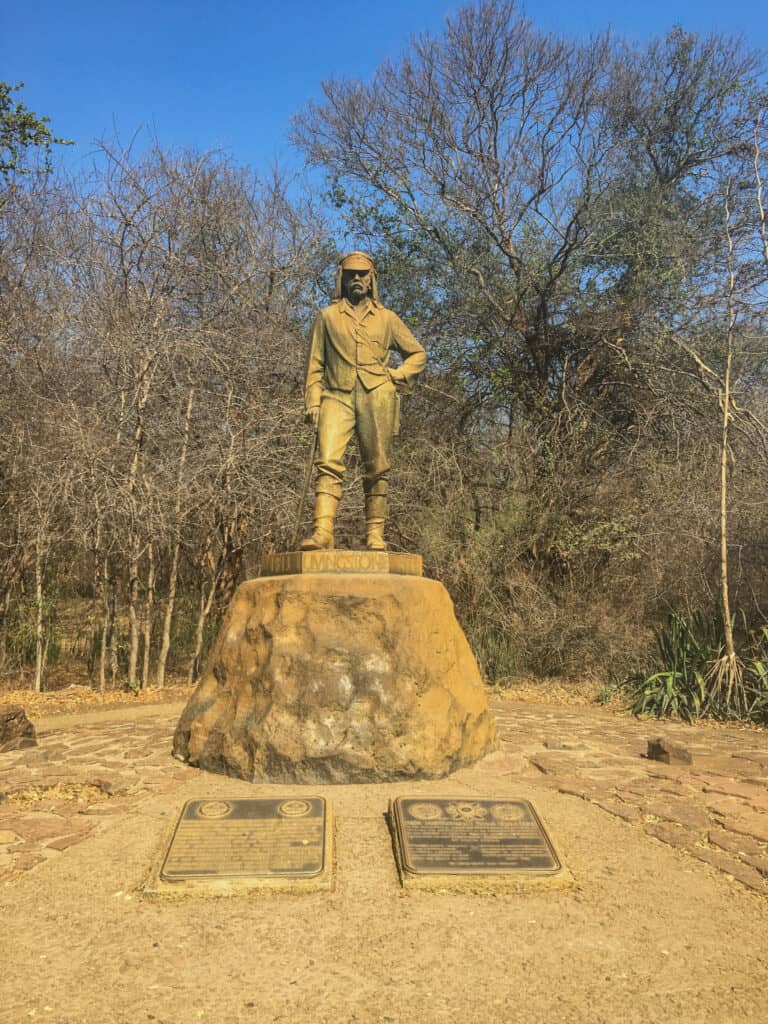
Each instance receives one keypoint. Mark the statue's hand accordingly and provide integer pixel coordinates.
(313, 416)
(401, 386)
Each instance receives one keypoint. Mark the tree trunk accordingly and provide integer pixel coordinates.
(4, 626)
(109, 595)
(106, 626)
(133, 618)
(114, 662)
(165, 644)
(148, 610)
(142, 396)
(726, 409)
(97, 604)
(206, 603)
(40, 645)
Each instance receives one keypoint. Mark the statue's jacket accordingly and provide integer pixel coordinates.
(344, 350)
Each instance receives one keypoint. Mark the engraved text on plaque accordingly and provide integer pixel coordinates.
(248, 838)
(461, 836)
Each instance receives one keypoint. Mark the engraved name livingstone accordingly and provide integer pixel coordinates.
(284, 562)
(247, 838)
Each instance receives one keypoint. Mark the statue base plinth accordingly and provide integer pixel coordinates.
(338, 676)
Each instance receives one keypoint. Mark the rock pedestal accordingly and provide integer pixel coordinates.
(338, 677)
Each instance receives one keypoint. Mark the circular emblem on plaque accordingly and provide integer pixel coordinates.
(425, 812)
(466, 810)
(214, 809)
(507, 812)
(294, 808)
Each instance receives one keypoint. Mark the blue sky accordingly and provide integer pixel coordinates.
(230, 74)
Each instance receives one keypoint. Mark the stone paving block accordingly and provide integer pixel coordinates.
(641, 789)
(602, 774)
(502, 762)
(725, 805)
(75, 819)
(719, 763)
(754, 824)
(104, 810)
(672, 835)
(679, 811)
(758, 763)
(551, 764)
(679, 788)
(732, 843)
(36, 828)
(26, 861)
(628, 812)
(658, 770)
(587, 793)
(755, 796)
(64, 842)
(741, 872)
(736, 787)
(758, 861)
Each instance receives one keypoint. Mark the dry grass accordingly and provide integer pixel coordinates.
(84, 793)
(83, 698)
(529, 690)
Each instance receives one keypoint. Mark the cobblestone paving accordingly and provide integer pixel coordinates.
(715, 809)
(58, 794)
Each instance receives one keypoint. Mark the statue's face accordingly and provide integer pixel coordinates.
(356, 284)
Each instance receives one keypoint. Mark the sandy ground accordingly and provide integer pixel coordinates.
(647, 933)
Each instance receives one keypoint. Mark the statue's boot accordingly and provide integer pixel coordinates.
(325, 516)
(375, 519)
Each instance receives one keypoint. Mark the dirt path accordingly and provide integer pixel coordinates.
(650, 931)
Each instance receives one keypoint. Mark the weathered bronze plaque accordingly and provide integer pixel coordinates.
(471, 837)
(248, 838)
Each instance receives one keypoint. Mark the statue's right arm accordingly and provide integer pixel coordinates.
(315, 370)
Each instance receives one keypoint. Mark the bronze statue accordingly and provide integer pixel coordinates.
(351, 388)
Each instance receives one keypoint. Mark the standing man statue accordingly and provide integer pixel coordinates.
(352, 389)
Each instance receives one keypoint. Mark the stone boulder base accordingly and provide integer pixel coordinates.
(16, 730)
(338, 678)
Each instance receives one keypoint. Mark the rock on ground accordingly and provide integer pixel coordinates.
(16, 730)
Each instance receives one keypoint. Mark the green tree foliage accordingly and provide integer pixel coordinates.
(21, 130)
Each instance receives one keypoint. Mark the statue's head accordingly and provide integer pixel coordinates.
(356, 278)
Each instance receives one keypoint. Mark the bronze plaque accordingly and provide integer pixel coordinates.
(471, 837)
(248, 839)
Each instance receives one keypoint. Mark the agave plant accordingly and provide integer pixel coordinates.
(693, 677)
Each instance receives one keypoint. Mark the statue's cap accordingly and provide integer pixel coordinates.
(357, 261)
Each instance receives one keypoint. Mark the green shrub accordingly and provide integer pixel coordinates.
(692, 676)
